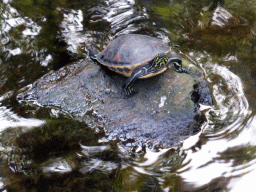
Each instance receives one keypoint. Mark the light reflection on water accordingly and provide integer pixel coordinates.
(58, 165)
(204, 162)
(231, 103)
(246, 138)
(207, 163)
(9, 119)
(71, 26)
(121, 15)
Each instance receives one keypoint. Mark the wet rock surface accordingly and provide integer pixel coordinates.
(163, 112)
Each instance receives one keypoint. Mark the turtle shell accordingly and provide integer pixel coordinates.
(127, 52)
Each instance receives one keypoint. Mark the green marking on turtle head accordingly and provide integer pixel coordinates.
(160, 60)
(176, 60)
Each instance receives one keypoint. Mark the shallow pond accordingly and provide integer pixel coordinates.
(43, 148)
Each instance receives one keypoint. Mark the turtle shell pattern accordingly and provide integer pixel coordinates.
(127, 52)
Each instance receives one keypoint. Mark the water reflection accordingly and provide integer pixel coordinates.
(58, 165)
(204, 155)
(246, 181)
(71, 25)
(9, 119)
(123, 17)
(205, 159)
(221, 17)
(215, 159)
(231, 103)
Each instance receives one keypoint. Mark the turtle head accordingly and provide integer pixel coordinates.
(177, 62)
(160, 60)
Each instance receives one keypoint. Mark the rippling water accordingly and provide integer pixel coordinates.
(220, 37)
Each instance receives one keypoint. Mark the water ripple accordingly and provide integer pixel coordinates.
(207, 152)
(8, 119)
(232, 106)
(224, 134)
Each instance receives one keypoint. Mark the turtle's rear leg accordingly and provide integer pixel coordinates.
(128, 92)
(128, 89)
(92, 51)
(128, 84)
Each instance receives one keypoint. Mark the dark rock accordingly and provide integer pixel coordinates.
(163, 112)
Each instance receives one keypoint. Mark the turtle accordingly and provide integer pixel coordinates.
(136, 56)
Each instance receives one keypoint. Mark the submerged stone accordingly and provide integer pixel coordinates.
(163, 112)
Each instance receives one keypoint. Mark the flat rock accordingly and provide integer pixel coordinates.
(163, 112)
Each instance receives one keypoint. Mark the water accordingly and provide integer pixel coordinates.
(38, 38)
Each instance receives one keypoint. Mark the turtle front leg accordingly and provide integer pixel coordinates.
(128, 85)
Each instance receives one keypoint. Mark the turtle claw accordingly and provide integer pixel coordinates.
(183, 70)
(128, 92)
